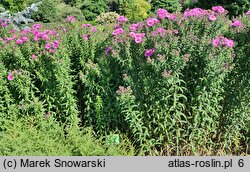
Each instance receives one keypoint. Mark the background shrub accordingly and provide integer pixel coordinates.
(47, 11)
(14, 5)
(113, 5)
(118, 6)
(64, 10)
(92, 8)
(109, 17)
(137, 10)
(170, 5)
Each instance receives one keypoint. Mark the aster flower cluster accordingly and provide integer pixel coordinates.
(222, 41)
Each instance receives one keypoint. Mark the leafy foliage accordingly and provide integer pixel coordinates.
(47, 11)
(14, 5)
(92, 8)
(71, 2)
(118, 6)
(170, 5)
(137, 10)
(24, 138)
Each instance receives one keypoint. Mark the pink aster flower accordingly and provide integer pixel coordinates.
(117, 26)
(195, 12)
(19, 41)
(36, 26)
(51, 32)
(162, 13)
(211, 17)
(154, 33)
(172, 17)
(140, 35)
(85, 37)
(36, 32)
(176, 31)
(10, 77)
(45, 37)
(24, 38)
(152, 21)
(161, 30)
(223, 40)
(52, 51)
(4, 24)
(122, 19)
(56, 42)
(248, 13)
(93, 29)
(118, 31)
(46, 32)
(138, 40)
(230, 43)
(218, 9)
(55, 46)
(216, 42)
(236, 23)
(71, 19)
(132, 34)
(25, 31)
(137, 37)
(149, 52)
(12, 31)
(33, 56)
(108, 49)
(47, 46)
(86, 25)
(133, 27)
(36, 38)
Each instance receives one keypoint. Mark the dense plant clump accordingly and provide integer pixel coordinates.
(172, 84)
(23, 137)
